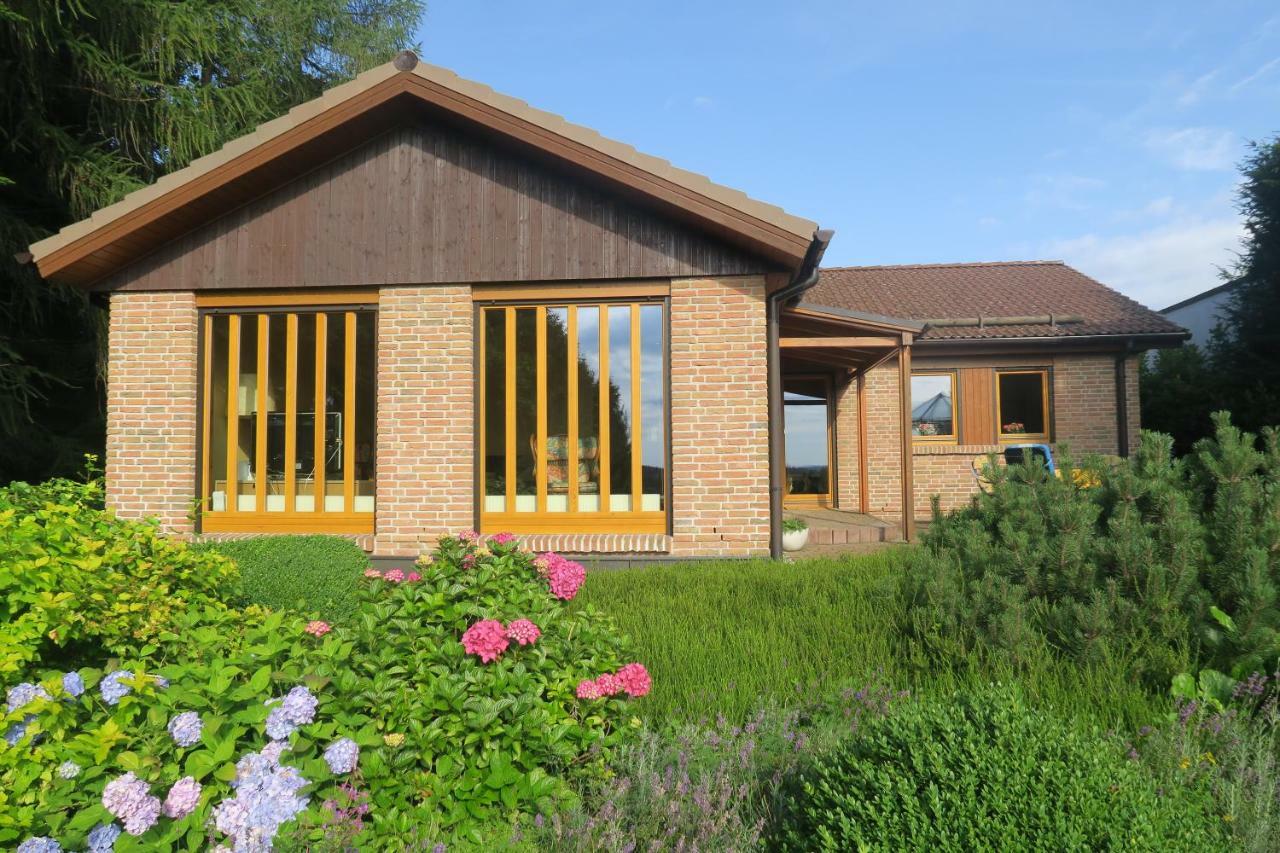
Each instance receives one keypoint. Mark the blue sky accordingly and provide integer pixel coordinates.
(1106, 135)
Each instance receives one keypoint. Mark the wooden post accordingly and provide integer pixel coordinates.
(908, 464)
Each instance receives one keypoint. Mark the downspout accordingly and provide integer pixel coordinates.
(805, 277)
(1122, 403)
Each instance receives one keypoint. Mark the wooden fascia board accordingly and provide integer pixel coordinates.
(835, 342)
(887, 329)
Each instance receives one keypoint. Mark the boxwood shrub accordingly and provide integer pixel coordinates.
(986, 772)
(309, 574)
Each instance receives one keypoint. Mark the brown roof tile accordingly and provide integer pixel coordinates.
(1001, 289)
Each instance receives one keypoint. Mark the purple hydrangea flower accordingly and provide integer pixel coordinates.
(72, 684)
(102, 839)
(279, 726)
(112, 688)
(21, 695)
(183, 798)
(342, 755)
(39, 844)
(265, 798)
(129, 799)
(185, 728)
(68, 770)
(300, 706)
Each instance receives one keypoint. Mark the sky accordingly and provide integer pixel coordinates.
(1108, 135)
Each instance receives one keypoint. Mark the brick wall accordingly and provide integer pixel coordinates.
(425, 417)
(151, 407)
(884, 441)
(846, 449)
(719, 417)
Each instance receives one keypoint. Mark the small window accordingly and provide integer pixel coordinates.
(933, 397)
(1022, 401)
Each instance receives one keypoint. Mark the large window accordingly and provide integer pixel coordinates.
(288, 419)
(573, 417)
(807, 438)
(933, 406)
(1022, 402)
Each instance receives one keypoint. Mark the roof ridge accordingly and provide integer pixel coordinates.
(1033, 263)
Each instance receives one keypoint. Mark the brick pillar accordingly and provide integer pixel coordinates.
(719, 417)
(425, 416)
(846, 450)
(151, 407)
(884, 441)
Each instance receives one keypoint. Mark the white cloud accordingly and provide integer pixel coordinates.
(1260, 73)
(1160, 266)
(1194, 93)
(1195, 148)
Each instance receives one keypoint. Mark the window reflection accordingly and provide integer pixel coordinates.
(807, 445)
(932, 405)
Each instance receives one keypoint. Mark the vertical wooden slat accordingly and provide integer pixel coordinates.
(206, 482)
(318, 476)
(572, 381)
(636, 443)
(604, 408)
(349, 418)
(483, 362)
(864, 501)
(291, 413)
(233, 414)
(540, 460)
(510, 499)
(260, 418)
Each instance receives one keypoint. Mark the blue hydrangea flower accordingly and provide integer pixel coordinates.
(112, 688)
(265, 798)
(68, 770)
(279, 726)
(342, 755)
(18, 730)
(21, 695)
(40, 844)
(161, 681)
(185, 728)
(300, 706)
(72, 684)
(102, 839)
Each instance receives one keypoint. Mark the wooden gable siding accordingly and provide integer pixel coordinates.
(424, 205)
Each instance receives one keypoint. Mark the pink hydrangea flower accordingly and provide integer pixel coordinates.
(486, 638)
(317, 628)
(469, 561)
(502, 538)
(372, 573)
(523, 632)
(589, 689)
(635, 679)
(609, 684)
(183, 798)
(564, 576)
(469, 536)
(413, 577)
(394, 576)
(543, 563)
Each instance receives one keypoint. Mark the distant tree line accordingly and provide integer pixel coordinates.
(1239, 369)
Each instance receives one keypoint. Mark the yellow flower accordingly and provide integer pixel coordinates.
(1208, 758)
(394, 739)
(1185, 763)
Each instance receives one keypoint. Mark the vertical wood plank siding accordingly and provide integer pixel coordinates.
(975, 400)
(423, 205)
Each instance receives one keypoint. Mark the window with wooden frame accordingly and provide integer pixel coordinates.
(573, 417)
(288, 394)
(807, 438)
(933, 406)
(1022, 405)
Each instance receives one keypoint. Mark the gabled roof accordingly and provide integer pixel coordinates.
(1206, 294)
(346, 115)
(989, 295)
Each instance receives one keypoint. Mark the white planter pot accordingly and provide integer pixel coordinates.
(794, 540)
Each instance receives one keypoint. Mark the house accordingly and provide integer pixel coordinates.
(414, 305)
(1199, 314)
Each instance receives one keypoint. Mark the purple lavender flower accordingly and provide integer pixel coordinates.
(129, 799)
(185, 728)
(102, 839)
(68, 770)
(300, 706)
(112, 688)
(279, 726)
(73, 684)
(39, 844)
(21, 695)
(183, 798)
(342, 755)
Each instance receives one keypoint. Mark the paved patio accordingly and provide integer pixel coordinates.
(839, 530)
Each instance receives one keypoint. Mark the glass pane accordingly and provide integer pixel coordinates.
(334, 406)
(653, 409)
(805, 391)
(305, 461)
(805, 438)
(247, 409)
(526, 409)
(1022, 403)
(276, 355)
(366, 411)
(557, 410)
(619, 408)
(589, 408)
(495, 409)
(217, 391)
(932, 408)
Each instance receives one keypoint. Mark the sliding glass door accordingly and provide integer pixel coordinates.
(807, 433)
(573, 417)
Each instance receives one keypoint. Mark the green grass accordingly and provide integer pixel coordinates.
(726, 637)
(309, 574)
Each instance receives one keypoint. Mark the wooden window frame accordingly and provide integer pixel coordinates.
(258, 307)
(572, 520)
(954, 436)
(827, 500)
(1046, 406)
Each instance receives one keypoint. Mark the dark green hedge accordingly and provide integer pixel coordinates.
(308, 574)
